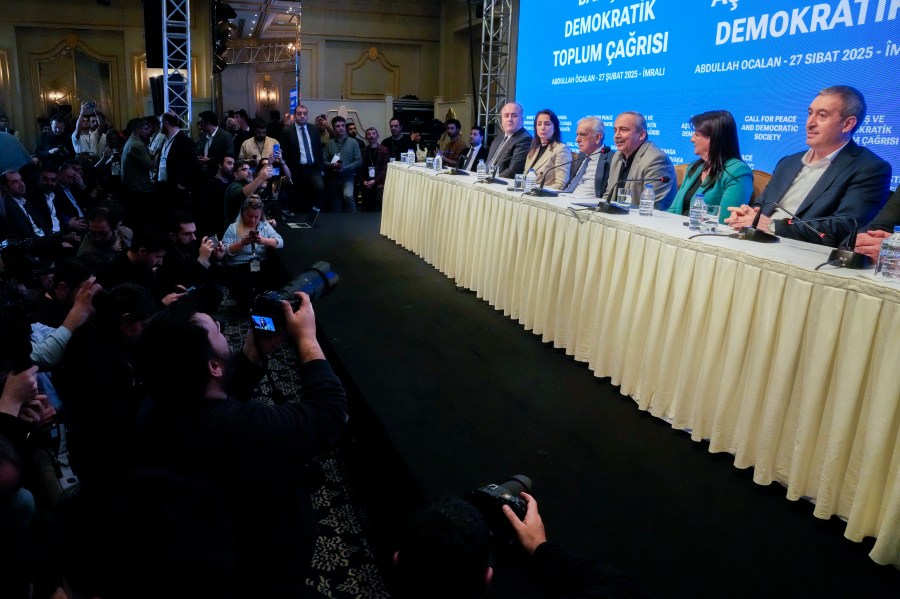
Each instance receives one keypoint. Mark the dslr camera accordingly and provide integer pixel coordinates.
(316, 282)
(491, 498)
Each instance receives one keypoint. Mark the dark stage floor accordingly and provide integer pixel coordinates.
(465, 396)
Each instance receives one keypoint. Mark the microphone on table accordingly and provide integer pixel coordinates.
(751, 233)
(609, 207)
(453, 170)
(844, 256)
(492, 176)
(540, 191)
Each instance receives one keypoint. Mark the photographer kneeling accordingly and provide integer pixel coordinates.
(251, 264)
(199, 420)
(447, 553)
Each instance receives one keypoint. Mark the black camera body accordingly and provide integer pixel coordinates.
(492, 497)
(490, 500)
(318, 281)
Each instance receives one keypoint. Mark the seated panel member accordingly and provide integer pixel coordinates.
(476, 152)
(549, 156)
(590, 169)
(720, 174)
(508, 151)
(454, 146)
(639, 158)
(835, 179)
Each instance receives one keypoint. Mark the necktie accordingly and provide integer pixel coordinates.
(74, 203)
(37, 230)
(578, 176)
(473, 152)
(498, 152)
(598, 177)
(305, 138)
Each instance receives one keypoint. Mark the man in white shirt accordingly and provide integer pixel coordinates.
(590, 169)
(823, 195)
(84, 139)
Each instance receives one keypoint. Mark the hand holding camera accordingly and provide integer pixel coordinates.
(529, 530)
(210, 247)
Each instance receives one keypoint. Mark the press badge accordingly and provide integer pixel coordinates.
(254, 264)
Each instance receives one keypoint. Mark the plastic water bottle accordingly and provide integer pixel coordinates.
(530, 180)
(438, 163)
(482, 170)
(696, 213)
(410, 156)
(648, 201)
(888, 265)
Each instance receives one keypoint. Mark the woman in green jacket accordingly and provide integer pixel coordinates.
(720, 174)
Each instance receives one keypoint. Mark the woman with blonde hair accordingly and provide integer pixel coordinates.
(251, 264)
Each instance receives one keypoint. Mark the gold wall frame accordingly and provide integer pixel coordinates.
(361, 78)
(72, 44)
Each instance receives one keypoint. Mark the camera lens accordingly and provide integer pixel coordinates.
(518, 483)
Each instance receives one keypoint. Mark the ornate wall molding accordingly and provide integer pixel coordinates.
(371, 77)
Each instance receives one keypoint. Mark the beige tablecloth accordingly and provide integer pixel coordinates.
(746, 345)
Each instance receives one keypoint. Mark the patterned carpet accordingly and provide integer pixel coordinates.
(343, 565)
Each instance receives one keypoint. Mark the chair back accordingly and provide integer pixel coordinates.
(760, 180)
(680, 169)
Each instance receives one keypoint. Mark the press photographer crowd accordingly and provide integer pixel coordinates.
(136, 458)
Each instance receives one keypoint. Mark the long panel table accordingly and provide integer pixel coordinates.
(744, 345)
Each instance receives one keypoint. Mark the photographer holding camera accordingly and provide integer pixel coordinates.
(199, 420)
(251, 263)
(447, 548)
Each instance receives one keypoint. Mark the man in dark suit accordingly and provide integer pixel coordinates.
(509, 151)
(836, 180)
(476, 152)
(71, 201)
(882, 226)
(301, 150)
(55, 146)
(43, 198)
(216, 142)
(587, 182)
(24, 221)
(178, 172)
(21, 217)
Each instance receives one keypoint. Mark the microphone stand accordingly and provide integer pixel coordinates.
(751, 233)
(844, 256)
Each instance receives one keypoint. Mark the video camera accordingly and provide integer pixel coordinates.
(490, 500)
(318, 281)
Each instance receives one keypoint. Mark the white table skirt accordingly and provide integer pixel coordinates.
(743, 344)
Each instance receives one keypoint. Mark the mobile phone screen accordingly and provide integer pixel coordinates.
(263, 323)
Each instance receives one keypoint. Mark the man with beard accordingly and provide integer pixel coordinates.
(191, 264)
(96, 384)
(199, 421)
(258, 146)
(209, 203)
(375, 163)
(106, 236)
(136, 166)
(55, 147)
